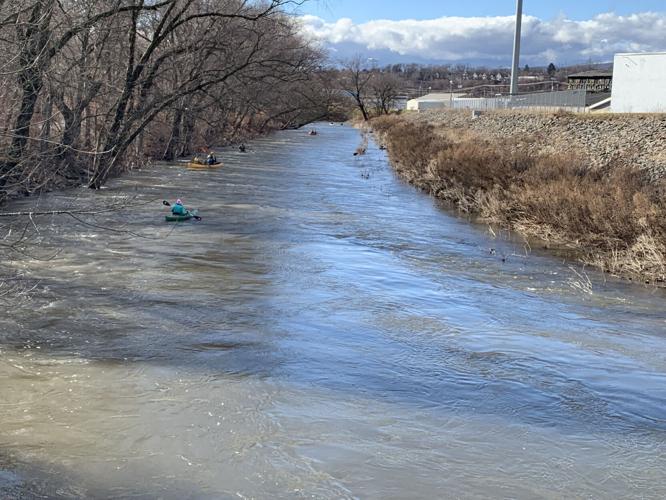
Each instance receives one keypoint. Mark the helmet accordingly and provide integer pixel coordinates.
(178, 202)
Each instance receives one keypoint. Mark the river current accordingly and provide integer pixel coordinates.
(326, 331)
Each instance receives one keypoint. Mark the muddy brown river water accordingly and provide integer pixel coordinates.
(325, 331)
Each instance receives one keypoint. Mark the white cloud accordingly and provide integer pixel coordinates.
(490, 39)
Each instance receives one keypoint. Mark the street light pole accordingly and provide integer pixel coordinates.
(516, 48)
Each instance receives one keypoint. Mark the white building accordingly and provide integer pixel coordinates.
(432, 101)
(639, 83)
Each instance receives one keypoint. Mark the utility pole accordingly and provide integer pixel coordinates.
(516, 48)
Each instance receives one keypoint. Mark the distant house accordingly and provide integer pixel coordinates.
(592, 81)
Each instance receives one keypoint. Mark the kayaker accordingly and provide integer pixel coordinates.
(241, 148)
(179, 209)
(211, 158)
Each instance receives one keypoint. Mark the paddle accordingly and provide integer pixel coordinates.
(167, 204)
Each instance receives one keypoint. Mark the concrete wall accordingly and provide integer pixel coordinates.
(639, 83)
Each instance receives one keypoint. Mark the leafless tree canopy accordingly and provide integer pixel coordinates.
(88, 86)
(371, 90)
(355, 82)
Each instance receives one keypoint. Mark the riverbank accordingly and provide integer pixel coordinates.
(593, 184)
(79, 172)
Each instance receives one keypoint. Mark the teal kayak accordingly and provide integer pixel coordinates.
(179, 218)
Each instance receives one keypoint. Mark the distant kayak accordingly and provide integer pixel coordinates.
(179, 218)
(203, 166)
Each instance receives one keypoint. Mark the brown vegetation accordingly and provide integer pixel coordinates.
(614, 217)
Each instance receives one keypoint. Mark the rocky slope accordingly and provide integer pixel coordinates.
(603, 140)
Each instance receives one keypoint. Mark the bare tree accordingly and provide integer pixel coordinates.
(355, 82)
(99, 81)
(385, 88)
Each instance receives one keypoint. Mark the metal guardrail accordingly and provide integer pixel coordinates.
(573, 100)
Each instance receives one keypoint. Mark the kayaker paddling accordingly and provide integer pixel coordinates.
(178, 208)
(179, 212)
(211, 159)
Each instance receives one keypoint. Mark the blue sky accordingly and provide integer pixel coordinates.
(481, 31)
(365, 10)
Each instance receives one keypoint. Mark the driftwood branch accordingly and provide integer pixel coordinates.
(55, 212)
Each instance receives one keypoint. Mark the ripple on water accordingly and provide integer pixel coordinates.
(320, 333)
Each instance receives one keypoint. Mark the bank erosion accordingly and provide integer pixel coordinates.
(594, 184)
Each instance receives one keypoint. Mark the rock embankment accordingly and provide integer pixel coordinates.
(601, 140)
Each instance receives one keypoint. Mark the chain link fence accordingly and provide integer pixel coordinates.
(572, 100)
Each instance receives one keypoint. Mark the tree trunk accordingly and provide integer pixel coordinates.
(188, 134)
(45, 133)
(174, 137)
(30, 76)
(32, 85)
(361, 106)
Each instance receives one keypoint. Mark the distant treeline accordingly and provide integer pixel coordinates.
(91, 86)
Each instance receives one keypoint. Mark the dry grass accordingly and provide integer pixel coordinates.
(614, 217)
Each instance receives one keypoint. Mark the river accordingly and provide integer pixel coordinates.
(326, 331)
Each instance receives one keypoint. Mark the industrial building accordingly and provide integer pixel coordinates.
(432, 101)
(639, 83)
(591, 81)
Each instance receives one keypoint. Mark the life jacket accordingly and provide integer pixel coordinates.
(178, 210)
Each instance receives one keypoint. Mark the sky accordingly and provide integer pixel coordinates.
(481, 31)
